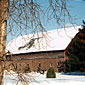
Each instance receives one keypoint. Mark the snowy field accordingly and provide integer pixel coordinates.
(40, 79)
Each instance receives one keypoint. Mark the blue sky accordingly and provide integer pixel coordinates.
(76, 9)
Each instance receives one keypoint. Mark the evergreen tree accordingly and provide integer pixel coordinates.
(51, 73)
(76, 53)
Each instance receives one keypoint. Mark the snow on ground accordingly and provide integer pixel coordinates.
(40, 79)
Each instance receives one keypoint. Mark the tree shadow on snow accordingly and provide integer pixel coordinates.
(74, 73)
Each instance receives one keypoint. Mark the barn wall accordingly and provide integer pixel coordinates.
(33, 59)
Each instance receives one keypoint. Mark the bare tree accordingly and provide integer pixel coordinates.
(4, 5)
(25, 15)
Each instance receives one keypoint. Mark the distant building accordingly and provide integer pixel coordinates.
(40, 49)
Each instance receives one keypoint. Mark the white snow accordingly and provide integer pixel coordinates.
(40, 79)
(51, 40)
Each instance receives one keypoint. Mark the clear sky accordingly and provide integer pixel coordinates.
(77, 10)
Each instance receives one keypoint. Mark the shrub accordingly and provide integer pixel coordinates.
(51, 73)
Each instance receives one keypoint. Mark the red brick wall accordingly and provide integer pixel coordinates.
(33, 60)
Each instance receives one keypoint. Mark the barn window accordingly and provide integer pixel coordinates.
(39, 64)
(8, 57)
(39, 67)
(60, 56)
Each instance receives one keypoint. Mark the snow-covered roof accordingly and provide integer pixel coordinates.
(47, 41)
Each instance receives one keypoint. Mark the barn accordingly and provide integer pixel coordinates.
(36, 52)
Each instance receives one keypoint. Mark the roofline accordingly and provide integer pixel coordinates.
(39, 52)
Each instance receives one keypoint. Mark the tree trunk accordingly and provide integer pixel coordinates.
(1, 73)
(3, 25)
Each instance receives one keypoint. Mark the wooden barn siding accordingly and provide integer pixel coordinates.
(33, 60)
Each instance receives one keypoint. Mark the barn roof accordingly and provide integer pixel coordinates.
(46, 41)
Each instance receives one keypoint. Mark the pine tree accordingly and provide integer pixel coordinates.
(76, 53)
(51, 72)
